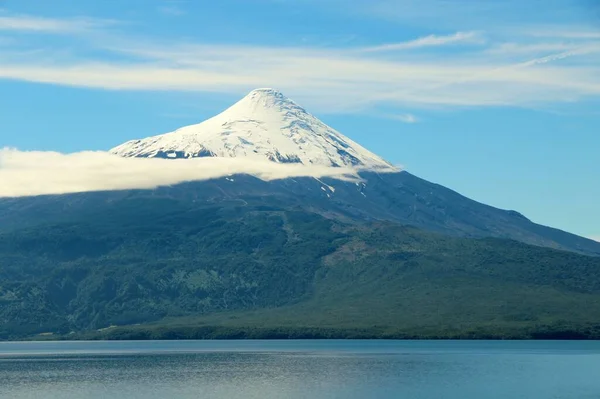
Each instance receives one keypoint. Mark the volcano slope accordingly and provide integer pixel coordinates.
(250, 267)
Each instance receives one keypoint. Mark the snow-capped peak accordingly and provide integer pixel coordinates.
(264, 124)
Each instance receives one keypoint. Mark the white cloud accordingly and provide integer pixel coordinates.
(521, 70)
(28, 23)
(406, 118)
(333, 80)
(39, 173)
(561, 56)
(430, 41)
(511, 48)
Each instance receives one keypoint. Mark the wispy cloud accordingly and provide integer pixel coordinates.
(333, 78)
(584, 50)
(39, 173)
(519, 70)
(28, 23)
(512, 48)
(406, 118)
(430, 41)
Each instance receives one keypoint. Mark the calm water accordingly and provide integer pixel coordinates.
(300, 369)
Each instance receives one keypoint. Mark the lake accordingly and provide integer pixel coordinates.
(301, 369)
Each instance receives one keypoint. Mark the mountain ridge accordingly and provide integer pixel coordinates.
(396, 197)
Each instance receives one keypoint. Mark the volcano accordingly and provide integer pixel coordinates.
(385, 255)
(265, 124)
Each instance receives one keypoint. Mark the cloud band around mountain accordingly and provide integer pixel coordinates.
(28, 173)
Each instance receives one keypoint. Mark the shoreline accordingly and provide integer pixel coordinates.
(220, 333)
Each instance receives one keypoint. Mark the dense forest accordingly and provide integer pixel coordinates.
(166, 269)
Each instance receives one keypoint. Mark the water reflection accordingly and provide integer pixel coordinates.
(298, 370)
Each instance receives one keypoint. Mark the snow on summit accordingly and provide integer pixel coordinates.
(263, 125)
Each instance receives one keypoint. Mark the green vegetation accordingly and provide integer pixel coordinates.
(163, 269)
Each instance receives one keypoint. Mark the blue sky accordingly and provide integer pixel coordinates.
(499, 100)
